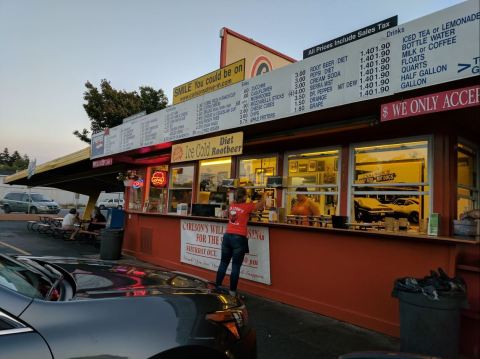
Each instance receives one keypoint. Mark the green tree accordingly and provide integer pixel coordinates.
(14, 162)
(107, 107)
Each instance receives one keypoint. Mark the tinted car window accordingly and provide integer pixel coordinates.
(14, 196)
(36, 197)
(20, 279)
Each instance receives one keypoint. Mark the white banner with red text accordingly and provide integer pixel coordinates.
(201, 246)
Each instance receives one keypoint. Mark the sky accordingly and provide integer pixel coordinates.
(50, 48)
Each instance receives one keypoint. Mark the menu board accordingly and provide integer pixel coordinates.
(435, 49)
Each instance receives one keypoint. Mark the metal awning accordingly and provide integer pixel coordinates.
(74, 173)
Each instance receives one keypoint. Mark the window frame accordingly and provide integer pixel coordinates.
(475, 147)
(171, 168)
(338, 184)
(430, 172)
(260, 156)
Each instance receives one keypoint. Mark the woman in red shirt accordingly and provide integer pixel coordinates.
(235, 241)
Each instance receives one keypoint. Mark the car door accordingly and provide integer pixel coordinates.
(15, 199)
(23, 204)
(19, 341)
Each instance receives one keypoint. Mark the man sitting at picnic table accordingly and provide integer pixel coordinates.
(70, 220)
(98, 221)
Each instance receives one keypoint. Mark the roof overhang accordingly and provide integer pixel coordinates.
(74, 173)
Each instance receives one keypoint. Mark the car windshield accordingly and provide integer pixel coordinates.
(37, 197)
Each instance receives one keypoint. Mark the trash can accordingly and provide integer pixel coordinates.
(111, 243)
(430, 314)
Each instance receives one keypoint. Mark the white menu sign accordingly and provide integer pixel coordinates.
(435, 49)
(201, 246)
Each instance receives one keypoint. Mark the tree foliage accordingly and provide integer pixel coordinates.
(107, 107)
(13, 162)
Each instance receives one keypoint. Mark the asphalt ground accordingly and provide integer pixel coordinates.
(283, 332)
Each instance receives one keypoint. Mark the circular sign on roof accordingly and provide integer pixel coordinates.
(159, 179)
(260, 66)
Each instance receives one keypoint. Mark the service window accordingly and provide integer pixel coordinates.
(180, 188)
(253, 173)
(312, 182)
(391, 180)
(156, 197)
(468, 187)
(136, 189)
(211, 173)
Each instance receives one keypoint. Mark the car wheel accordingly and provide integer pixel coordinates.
(102, 207)
(33, 210)
(413, 217)
(120, 207)
(6, 208)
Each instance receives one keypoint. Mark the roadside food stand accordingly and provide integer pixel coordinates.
(384, 135)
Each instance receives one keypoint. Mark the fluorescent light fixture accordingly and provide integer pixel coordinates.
(216, 162)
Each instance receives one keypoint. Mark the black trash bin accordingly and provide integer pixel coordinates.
(111, 243)
(430, 318)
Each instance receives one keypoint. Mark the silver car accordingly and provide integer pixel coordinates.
(28, 203)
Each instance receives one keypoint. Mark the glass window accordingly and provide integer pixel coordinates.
(156, 201)
(136, 189)
(391, 180)
(211, 173)
(312, 183)
(253, 174)
(180, 187)
(467, 179)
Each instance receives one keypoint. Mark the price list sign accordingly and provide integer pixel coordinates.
(438, 48)
(374, 70)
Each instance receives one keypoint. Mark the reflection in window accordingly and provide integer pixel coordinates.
(391, 180)
(313, 180)
(180, 187)
(467, 179)
(136, 191)
(211, 173)
(157, 189)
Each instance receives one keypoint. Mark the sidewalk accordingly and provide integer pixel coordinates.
(283, 332)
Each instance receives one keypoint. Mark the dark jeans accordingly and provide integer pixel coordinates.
(234, 248)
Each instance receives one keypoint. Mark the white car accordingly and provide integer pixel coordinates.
(111, 203)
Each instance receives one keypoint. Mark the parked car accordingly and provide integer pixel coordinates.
(20, 201)
(371, 209)
(111, 203)
(406, 207)
(52, 307)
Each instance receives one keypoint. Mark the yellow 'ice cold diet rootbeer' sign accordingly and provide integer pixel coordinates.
(213, 81)
(218, 146)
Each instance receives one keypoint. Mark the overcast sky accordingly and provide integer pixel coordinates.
(50, 48)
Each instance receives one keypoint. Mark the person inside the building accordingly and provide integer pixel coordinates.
(235, 241)
(98, 221)
(305, 206)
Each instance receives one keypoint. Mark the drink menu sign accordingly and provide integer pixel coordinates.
(434, 49)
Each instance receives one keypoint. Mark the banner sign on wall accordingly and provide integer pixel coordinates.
(436, 102)
(435, 49)
(218, 146)
(201, 244)
(213, 81)
(353, 36)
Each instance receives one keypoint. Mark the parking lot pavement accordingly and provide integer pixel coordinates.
(283, 332)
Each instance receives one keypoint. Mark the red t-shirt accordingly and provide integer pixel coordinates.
(238, 214)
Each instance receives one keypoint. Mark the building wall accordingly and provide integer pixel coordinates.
(342, 274)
